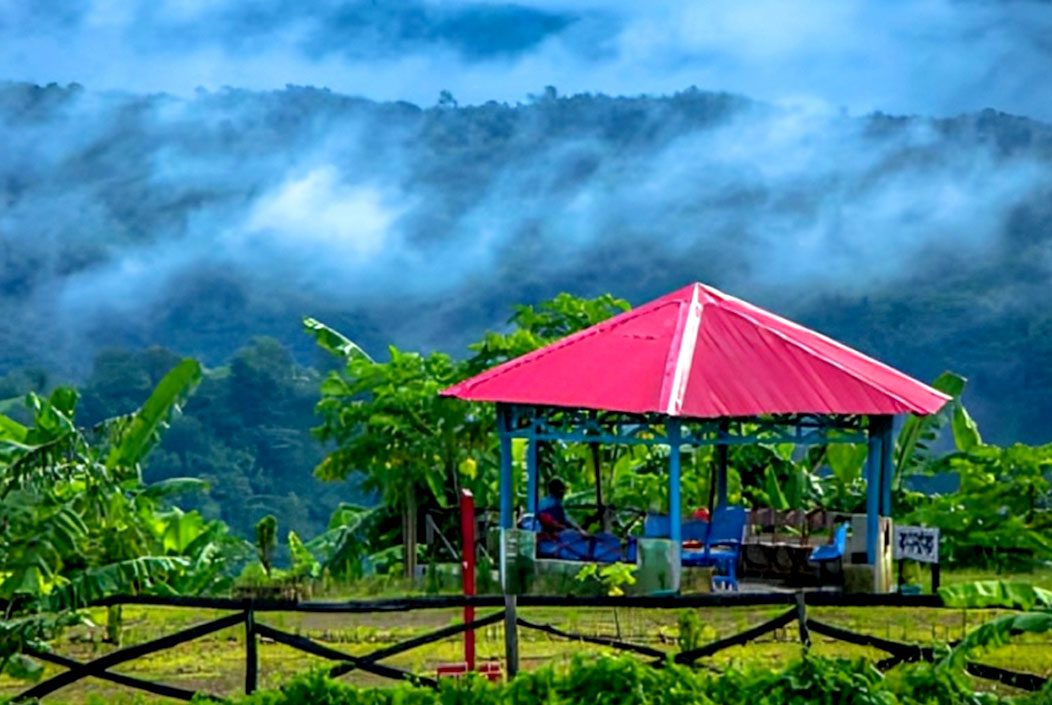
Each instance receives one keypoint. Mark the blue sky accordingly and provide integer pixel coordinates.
(935, 57)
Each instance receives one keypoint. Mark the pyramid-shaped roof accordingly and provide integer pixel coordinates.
(699, 353)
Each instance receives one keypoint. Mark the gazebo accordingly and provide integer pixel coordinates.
(683, 370)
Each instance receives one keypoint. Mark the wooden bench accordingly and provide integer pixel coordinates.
(779, 542)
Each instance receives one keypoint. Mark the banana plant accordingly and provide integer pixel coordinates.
(344, 546)
(1033, 615)
(913, 452)
(79, 523)
(999, 515)
(914, 445)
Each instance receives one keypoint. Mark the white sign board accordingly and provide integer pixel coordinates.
(917, 543)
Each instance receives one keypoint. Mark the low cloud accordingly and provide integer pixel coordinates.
(199, 222)
(317, 212)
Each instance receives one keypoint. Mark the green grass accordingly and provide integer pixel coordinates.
(215, 663)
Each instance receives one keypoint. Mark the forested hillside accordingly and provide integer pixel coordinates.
(198, 224)
(246, 431)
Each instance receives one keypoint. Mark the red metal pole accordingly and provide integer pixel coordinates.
(467, 569)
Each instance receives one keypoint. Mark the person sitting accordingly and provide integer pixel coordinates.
(560, 536)
(551, 514)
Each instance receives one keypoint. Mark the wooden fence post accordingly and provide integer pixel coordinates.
(801, 618)
(511, 635)
(251, 653)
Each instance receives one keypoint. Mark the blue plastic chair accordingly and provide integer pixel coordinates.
(631, 550)
(656, 526)
(832, 551)
(606, 548)
(723, 546)
(573, 546)
(694, 530)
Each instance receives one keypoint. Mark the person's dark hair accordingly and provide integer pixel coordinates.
(556, 487)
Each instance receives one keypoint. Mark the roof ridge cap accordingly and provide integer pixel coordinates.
(684, 342)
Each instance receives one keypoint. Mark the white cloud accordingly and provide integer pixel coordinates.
(319, 211)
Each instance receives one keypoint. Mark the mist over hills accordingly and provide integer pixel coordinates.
(197, 223)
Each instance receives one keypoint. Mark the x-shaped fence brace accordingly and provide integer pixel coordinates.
(99, 667)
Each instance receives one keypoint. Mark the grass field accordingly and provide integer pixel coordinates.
(216, 663)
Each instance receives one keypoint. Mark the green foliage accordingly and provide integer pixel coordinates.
(692, 633)
(246, 434)
(333, 341)
(913, 449)
(935, 684)
(304, 564)
(613, 578)
(844, 488)
(996, 593)
(999, 631)
(607, 680)
(999, 516)
(79, 523)
(811, 680)
(263, 578)
(344, 546)
(388, 422)
(1036, 618)
(136, 434)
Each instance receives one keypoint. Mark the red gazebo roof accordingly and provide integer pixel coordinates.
(700, 353)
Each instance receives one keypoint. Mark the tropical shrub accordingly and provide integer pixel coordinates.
(606, 680)
(1000, 515)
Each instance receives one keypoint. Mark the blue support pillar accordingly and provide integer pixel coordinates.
(507, 487)
(675, 521)
(872, 492)
(532, 477)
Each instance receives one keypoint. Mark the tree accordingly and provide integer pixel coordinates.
(247, 434)
(446, 100)
(387, 421)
